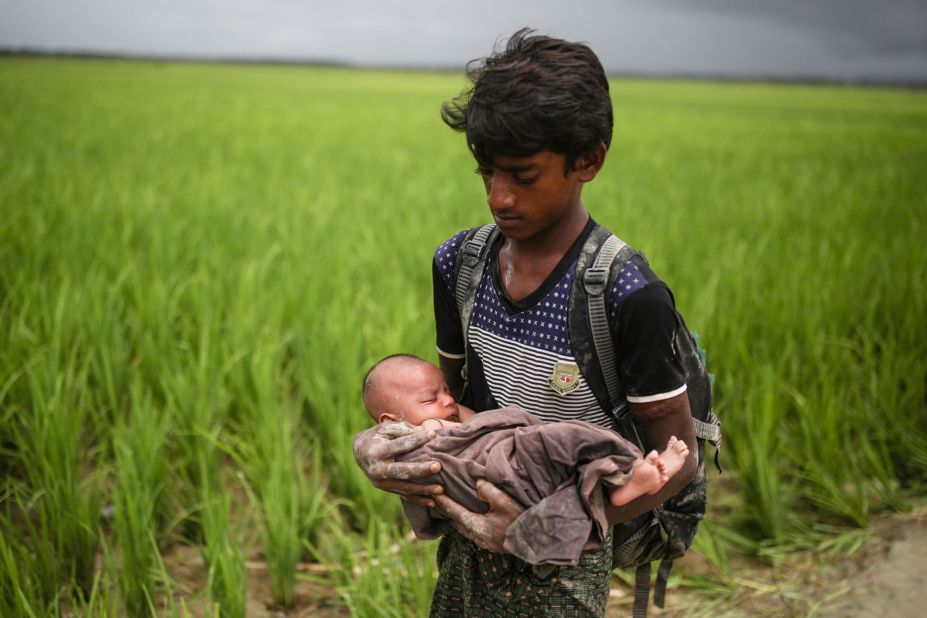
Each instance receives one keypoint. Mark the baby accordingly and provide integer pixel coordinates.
(407, 388)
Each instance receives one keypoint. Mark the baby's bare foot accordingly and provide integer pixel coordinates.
(646, 478)
(674, 456)
(652, 472)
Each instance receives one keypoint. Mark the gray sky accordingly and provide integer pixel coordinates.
(835, 39)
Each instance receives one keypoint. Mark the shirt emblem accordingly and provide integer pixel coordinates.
(564, 378)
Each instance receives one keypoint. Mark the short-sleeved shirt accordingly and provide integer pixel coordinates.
(519, 352)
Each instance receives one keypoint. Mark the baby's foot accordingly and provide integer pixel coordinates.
(674, 456)
(651, 473)
(654, 458)
(646, 478)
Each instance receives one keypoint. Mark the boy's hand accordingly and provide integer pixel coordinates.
(488, 530)
(375, 451)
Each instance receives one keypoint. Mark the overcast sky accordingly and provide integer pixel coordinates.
(835, 39)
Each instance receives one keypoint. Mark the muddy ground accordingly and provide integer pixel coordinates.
(885, 577)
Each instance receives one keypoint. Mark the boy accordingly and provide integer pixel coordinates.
(538, 121)
(555, 469)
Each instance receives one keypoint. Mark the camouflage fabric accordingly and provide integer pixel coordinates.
(476, 583)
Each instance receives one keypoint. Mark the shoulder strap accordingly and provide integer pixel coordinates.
(468, 271)
(600, 261)
(608, 255)
(595, 282)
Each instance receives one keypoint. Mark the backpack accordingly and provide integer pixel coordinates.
(668, 531)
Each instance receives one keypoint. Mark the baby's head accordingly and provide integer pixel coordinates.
(406, 388)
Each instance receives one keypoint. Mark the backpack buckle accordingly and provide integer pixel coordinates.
(595, 280)
(473, 248)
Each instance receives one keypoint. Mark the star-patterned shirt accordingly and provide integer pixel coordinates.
(520, 352)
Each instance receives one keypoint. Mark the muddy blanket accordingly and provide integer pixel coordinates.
(557, 471)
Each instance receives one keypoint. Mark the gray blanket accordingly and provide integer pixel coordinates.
(557, 471)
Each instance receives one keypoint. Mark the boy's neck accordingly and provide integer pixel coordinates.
(524, 264)
(552, 242)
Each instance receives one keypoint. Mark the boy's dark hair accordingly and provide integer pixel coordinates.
(539, 93)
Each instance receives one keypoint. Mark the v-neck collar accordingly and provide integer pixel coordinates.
(517, 306)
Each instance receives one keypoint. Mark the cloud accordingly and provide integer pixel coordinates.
(847, 39)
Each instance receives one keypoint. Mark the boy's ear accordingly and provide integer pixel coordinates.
(587, 165)
(386, 417)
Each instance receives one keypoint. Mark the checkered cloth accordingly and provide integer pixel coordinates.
(476, 583)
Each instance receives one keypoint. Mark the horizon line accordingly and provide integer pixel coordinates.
(916, 84)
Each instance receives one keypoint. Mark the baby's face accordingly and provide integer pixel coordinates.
(424, 395)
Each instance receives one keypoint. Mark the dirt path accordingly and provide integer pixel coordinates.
(885, 578)
(895, 584)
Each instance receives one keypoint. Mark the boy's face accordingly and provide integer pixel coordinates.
(421, 395)
(528, 195)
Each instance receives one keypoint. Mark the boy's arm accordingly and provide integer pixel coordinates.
(658, 421)
(644, 337)
(450, 369)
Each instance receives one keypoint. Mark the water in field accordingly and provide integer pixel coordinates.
(199, 262)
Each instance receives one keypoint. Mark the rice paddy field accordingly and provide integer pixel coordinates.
(198, 263)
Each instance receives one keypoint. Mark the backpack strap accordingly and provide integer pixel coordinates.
(599, 264)
(641, 590)
(642, 587)
(595, 280)
(610, 255)
(709, 429)
(659, 588)
(471, 259)
(600, 261)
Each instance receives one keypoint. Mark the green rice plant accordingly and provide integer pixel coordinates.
(99, 600)
(383, 574)
(825, 541)
(36, 577)
(834, 482)
(267, 451)
(197, 402)
(21, 576)
(896, 437)
(170, 603)
(213, 239)
(328, 368)
(159, 600)
(316, 506)
(711, 546)
(759, 456)
(141, 472)
(225, 585)
(108, 349)
(49, 445)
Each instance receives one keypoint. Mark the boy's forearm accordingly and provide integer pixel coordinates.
(657, 422)
(648, 502)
